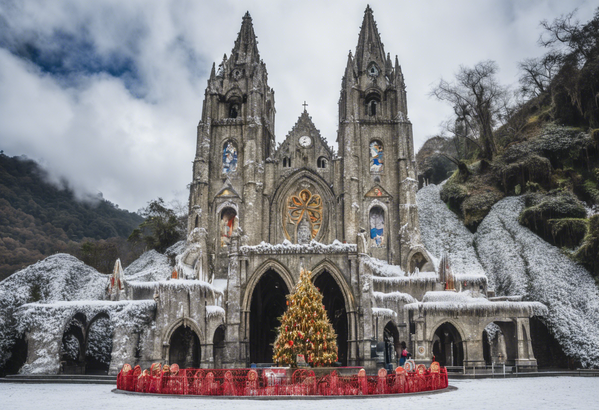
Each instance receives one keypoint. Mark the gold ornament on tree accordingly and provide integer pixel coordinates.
(305, 328)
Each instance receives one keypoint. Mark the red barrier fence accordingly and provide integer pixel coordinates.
(275, 382)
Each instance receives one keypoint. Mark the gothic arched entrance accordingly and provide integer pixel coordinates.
(334, 304)
(184, 348)
(447, 345)
(267, 306)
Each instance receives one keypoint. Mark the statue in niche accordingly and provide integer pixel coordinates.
(377, 227)
(304, 235)
(303, 217)
(376, 156)
(229, 158)
(228, 223)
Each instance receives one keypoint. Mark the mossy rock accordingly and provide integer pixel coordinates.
(541, 208)
(454, 194)
(588, 253)
(477, 205)
(568, 232)
(531, 168)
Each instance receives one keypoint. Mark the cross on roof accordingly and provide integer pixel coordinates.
(305, 105)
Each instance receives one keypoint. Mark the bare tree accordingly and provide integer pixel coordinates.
(478, 100)
(579, 40)
(537, 74)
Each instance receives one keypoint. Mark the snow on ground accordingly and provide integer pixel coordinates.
(547, 393)
(519, 261)
(442, 231)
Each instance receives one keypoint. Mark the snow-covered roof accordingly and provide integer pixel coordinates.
(462, 303)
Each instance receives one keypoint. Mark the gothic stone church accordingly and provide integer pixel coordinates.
(259, 213)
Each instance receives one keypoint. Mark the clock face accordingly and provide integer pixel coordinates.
(305, 141)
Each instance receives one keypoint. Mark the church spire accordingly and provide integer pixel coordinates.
(245, 49)
(370, 48)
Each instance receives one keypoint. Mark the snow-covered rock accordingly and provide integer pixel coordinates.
(59, 277)
(516, 262)
(520, 262)
(443, 232)
(149, 267)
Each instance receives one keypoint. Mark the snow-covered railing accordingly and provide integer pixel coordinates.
(290, 248)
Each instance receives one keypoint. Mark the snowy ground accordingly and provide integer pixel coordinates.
(528, 393)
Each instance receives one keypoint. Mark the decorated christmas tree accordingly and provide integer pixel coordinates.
(305, 328)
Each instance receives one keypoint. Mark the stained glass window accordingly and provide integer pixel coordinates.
(229, 158)
(377, 227)
(376, 156)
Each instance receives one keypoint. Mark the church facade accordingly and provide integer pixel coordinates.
(259, 213)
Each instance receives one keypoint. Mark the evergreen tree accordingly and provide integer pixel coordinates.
(305, 328)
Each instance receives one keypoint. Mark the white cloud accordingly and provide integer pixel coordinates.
(134, 140)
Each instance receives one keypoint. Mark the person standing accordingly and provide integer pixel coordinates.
(404, 354)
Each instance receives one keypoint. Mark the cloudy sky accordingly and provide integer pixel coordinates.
(108, 93)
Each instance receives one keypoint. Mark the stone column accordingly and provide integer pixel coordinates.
(232, 356)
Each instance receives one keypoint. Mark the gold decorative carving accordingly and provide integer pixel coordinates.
(300, 206)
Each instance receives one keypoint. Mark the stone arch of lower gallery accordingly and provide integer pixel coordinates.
(184, 348)
(268, 304)
(334, 304)
(72, 349)
(448, 346)
(218, 347)
(391, 339)
(500, 338)
(98, 344)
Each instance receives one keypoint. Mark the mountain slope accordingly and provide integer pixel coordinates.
(38, 218)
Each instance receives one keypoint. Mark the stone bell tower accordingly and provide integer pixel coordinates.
(234, 139)
(376, 146)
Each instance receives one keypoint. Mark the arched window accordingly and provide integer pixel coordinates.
(376, 156)
(286, 162)
(197, 221)
(377, 227)
(372, 102)
(229, 157)
(372, 108)
(228, 223)
(321, 162)
(234, 109)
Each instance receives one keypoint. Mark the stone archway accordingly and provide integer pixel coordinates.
(268, 303)
(72, 351)
(334, 303)
(448, 345)
(98, 344)
(184, 348)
